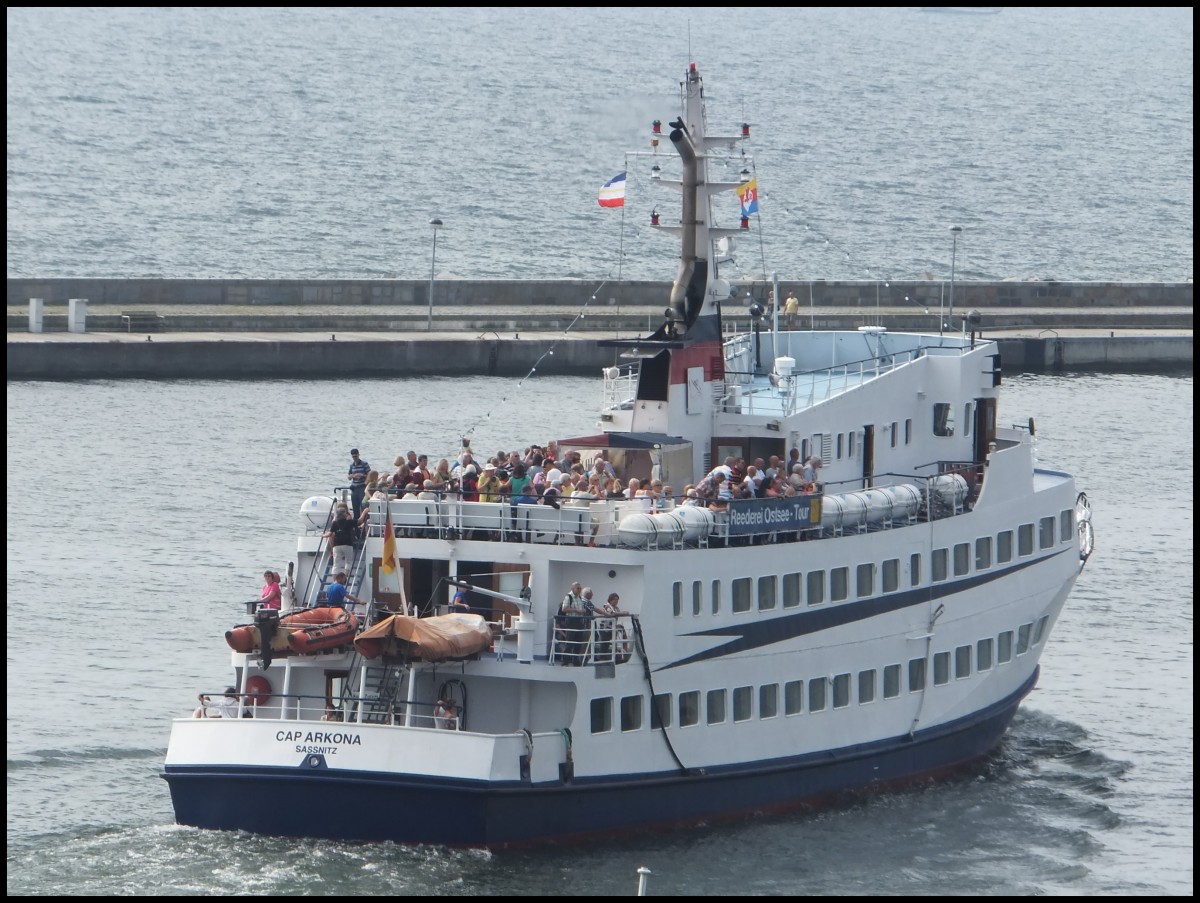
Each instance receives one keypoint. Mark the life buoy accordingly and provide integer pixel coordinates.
(258, 690)
(622, 645)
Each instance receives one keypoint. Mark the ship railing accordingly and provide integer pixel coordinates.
(347, 709)
(598, 640)
(620, 387)
(747, 392)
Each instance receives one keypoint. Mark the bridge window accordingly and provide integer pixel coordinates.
(631, 713)
(891, 681)
(716, 706)
(689, 708)
(793, 697)
(743, 703)
(602, 715)
(768, 700)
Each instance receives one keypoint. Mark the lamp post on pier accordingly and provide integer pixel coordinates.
(436, 224)
(955, 231)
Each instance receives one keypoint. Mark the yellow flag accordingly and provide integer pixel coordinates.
(389, 547)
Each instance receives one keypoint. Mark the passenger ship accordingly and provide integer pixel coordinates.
(767, 655)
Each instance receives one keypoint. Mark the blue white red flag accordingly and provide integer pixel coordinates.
(612, 192)
(748, 193)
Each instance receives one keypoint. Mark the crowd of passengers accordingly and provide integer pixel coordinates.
(543, 476)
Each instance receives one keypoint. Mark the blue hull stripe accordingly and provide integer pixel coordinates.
(764, 632)
(327, 803)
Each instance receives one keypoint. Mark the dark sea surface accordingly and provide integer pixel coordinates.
(320, 142)
(310, 143)
(155, 507)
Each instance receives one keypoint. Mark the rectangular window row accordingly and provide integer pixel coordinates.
(818, 693)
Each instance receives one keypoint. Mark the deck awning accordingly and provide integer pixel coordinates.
(623, 440)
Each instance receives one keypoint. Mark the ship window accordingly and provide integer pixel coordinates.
(939, 565)
(631, 713)
(1004, 547)
(967, 419)
(1023, 633)
(716, 597)
(1004, 647)
(891, 681)
(943, 419)
(840, 439)
(1040, 630)
(817, 691)
(791, 590)
(941, 668)
(841, 690)
(697, 597)
(766, 593)
(689, 708)
(741, 594)
(1025, 539)
(768, 700)
(891, 575)
(850, 444)
(793, 697)
(716, 706)
(962, 661)
(916, 674)
(908, 431)
(602, 715)
(743, 703)
(983, 553)
(1046, 532)
(865, 580)
(895, 431)
(866, 686)
(1066, 524)
(816, 587)
(983, 654)
(962, 558)
(914, 569)
(839, 584)
(660, 711)
(677, 599)
(804, 450)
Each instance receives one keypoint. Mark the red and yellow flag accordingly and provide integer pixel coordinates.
(389, 547)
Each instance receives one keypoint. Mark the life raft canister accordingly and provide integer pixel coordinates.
(258, 690)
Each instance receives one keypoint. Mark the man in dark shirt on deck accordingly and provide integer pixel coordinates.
(358, 481)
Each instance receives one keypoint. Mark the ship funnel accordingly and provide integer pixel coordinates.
(687, 292)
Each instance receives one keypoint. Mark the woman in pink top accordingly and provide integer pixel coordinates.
(272, 593)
